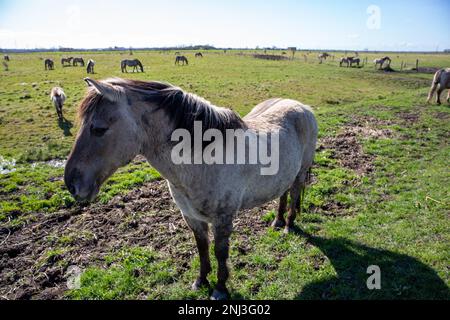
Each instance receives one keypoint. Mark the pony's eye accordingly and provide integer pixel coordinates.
(98, 131)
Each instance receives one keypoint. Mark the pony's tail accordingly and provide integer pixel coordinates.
(434, 84)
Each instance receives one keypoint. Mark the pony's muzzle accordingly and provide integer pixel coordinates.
(77, 187)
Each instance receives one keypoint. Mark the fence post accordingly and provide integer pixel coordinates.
(417, 65)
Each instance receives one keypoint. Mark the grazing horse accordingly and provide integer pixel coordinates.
(123, 118)
(66, 60)
(381, 61)
(49, 64)
(6, 57)
(323, 56)
(90, 66)
(136, 64)
(344, 60)
(199, 55)
(183, 59)
(442, 79)
(353, 60)
(77, 61)
(58, 97)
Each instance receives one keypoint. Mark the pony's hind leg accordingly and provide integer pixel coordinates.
(295, 196)
(279, 221)
(200, 230)
(438, 95)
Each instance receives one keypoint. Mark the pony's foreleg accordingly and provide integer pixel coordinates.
(222, 231)
(279, 221)
(448, 96)
(200, 230)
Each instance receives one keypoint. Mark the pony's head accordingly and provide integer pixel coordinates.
(109, 137)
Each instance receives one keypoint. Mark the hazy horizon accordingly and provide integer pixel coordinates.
(345, 25)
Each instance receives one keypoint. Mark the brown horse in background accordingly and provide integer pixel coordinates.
(66, 60)
(77, 61)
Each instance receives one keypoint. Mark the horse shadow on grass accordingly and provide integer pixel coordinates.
(402, 276)
(65, 126)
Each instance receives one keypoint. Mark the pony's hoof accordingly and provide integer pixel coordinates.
(219, 295)
(278, 223)
(288, 230)
(199, 284)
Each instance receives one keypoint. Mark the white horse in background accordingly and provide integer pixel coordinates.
(442, 79)
(381, 61)
(58, 97)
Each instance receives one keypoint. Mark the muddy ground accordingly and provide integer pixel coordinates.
(145, 217)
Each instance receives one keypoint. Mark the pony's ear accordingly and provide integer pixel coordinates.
(107, 90)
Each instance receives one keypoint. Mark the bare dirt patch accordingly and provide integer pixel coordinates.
(270, 57)
(348, 151)
(346, 147)
(34, 259)
(409, 117)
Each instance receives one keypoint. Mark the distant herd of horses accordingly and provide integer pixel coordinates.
(136, 64)
(351, 61)
(441, 80)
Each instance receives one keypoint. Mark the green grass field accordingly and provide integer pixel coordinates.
(379, 195)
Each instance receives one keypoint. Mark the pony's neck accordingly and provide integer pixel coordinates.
(159, 126)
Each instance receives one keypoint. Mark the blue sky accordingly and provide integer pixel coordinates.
(343, 24)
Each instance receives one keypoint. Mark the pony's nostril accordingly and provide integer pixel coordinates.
(72, 181)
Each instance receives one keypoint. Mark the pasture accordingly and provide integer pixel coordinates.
(379, 193)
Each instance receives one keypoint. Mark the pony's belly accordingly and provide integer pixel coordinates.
(262, 193)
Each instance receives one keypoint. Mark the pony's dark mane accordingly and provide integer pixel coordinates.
(182, 108)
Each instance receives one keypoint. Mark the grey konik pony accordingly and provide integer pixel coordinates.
(6, 57)
(123, 118)
(182, 59)
(49, 64)
(135, 63)
(58, 98)
(442, 79)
